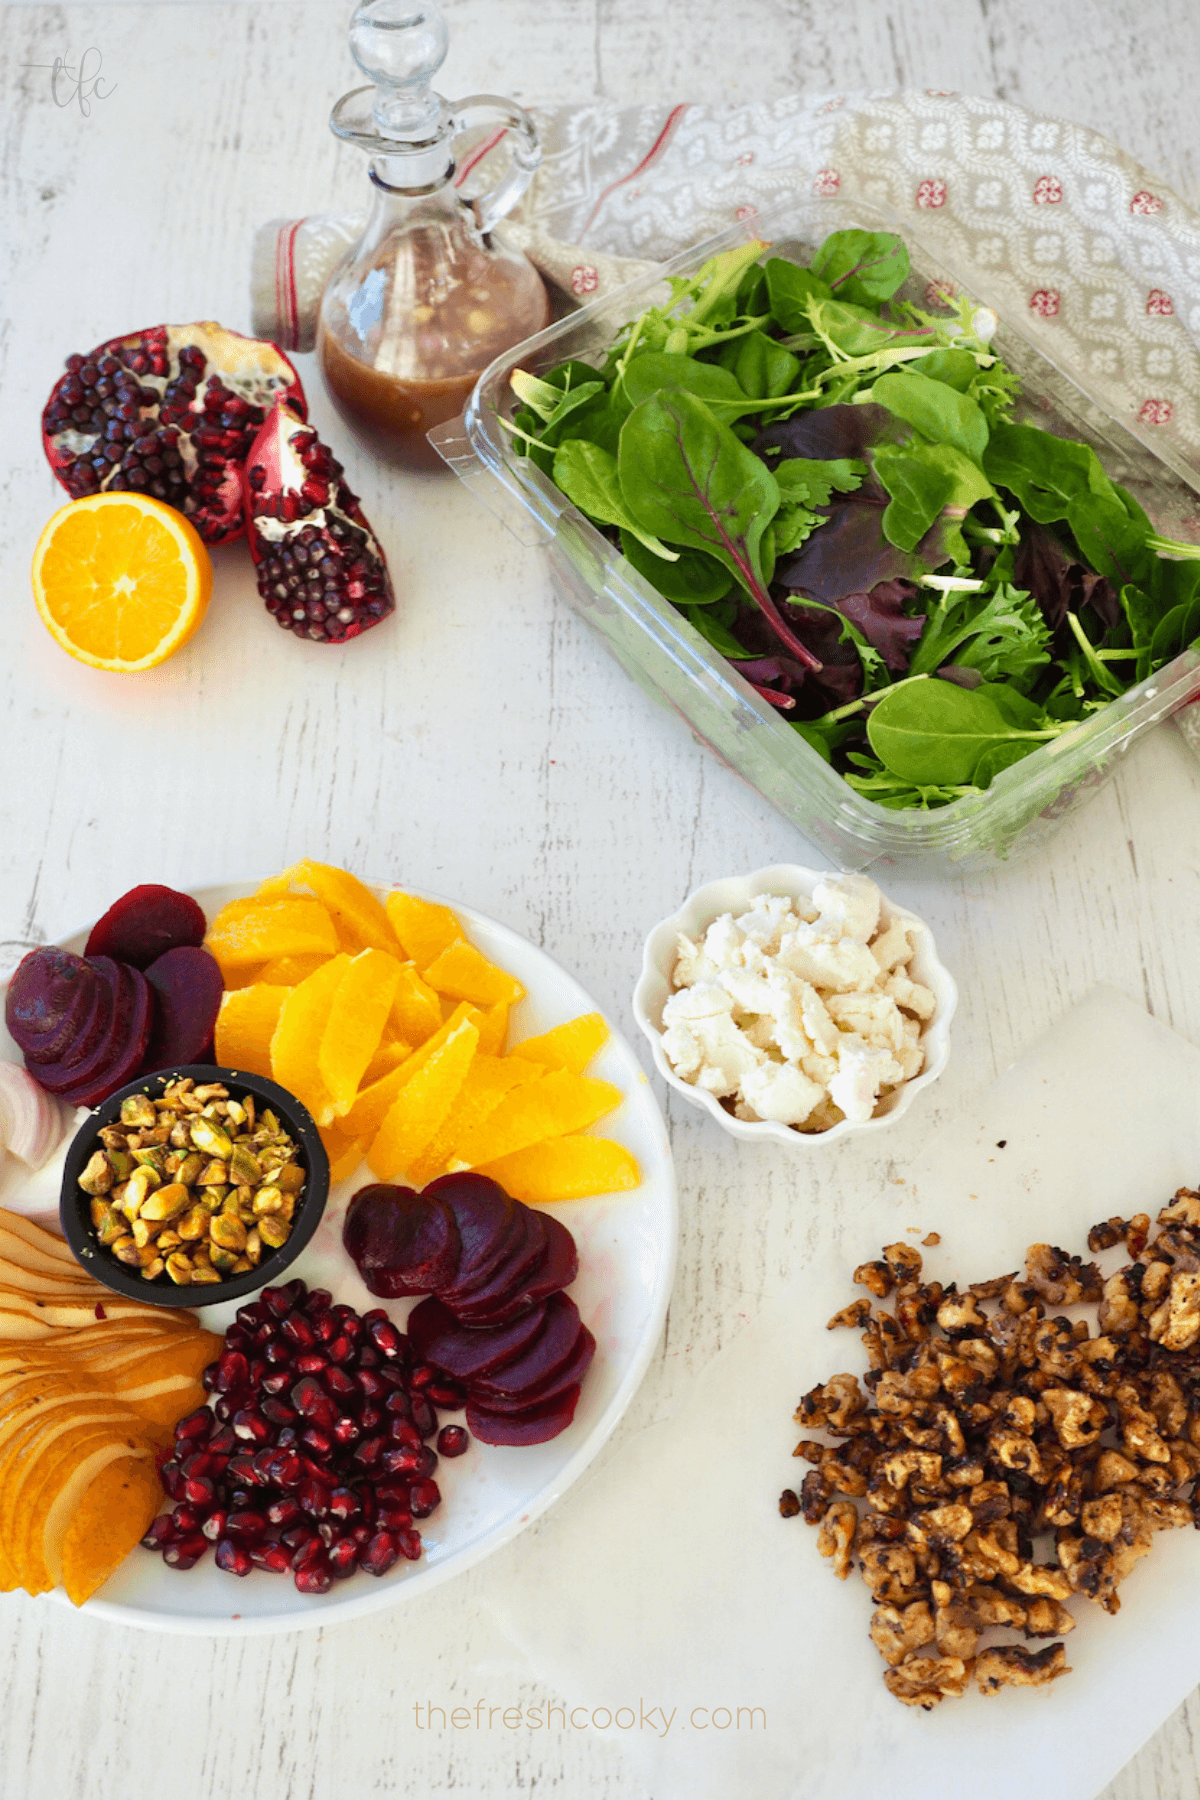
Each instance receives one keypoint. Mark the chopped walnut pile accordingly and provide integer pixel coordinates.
(1002, 1459)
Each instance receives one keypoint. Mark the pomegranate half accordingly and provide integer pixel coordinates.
(320, 567)
(171, 412)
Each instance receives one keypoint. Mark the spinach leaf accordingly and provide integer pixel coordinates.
(1175, 633)
(1000, 756)
(1054, 479)
(957, 369)
(925, 481)
(713, 622)
(763, 368)
(588, 477)
(789, 290)
(1001, 634)
(684, 476)
(862, 266)
(932, 733)
(879, 784)
(656, 372)
(692, 580)
(937, 411)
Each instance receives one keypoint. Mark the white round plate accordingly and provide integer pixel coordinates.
(627, 1248)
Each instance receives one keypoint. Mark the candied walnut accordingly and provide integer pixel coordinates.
(941, 1524)
(897, 1631)
(1137, 1233)
(1010, 1666)
(1112, 1470)
(836, 1536)
(1118, 1314)
(1167, 1402)
(1139, 1428)
(1176, 1323)
(989, 1501)
(1012, 1450)
(1020, 1297)
(885, 1342)
(1041, 1578)
(811, 1449)
(1078, 1419)
(841, 1475)
(990, 1553)
(1166, 1515)
(789, 1503)
(965, 1472)
(1055, 1348)
(890, 1571)
(832, 1403)
(901, 1393)
(1102, 1518)
(1155, 1282)
(1063, 1280)
(1063, 1499)
(814, 1498)
(960, 1312)
(1047, 1618)
(884, 1496)
(854, 1315)
(1106, 1234)
(876, 1276)
(1184, 1209)
(898, 1467)
(925, 1680)
(956, 1630)
(931, 1238)
(903, 1261)
(1021, 1414)
(1185, 1461)
(916, 1315)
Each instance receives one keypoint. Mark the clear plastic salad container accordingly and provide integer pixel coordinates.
(681, 671)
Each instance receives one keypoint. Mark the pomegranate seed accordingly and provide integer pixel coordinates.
(275, 1382)
(313, 1498)
(319, 1442)
(403, 1459)
(278, 1412)
(232, 1558)
(452, 1440)
(310, 1362)
(298, 1331)
(343, 1558)
(379, 1555)
(370, 1418)
(399, 1402)
(186, 1553)
(370, 1384)
(449, 1395)
(325, 1327)
(385, 1337)
(340, 1349)
(248, 1316)
(409, 1543)
(346, 1432)
(276, 1302)
(246, 1524)
(343, 1504)
(214, 1526)
(272, 1557)
(367, 1453)
(197, 1425)
(224, 1408)
(287, 1469)
(251, 1425)
(405, 1432)
(160, 1531)
(278, 1353)
(341, 1385)
(258, 1368)
(233, 1371)
(263, 1334)
(241, 1468)
(319, 1300)
(200, 1463)
(394, 1518)
(222, 1443)
(200, 1490)
(310, 1398)
(423, 1497)
(421, 1376)
(188, 1519)
(362, 1534)
(283, 1512)
(424, 1417)
(298, 1536)
(171, 1476)
(369, 1357)
(316, 1577)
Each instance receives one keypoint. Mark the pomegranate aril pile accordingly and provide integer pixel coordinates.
(320, 569)
(170, 412)
(497, 1329)
(333, 1487)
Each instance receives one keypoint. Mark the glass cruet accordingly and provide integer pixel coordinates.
(415, 312)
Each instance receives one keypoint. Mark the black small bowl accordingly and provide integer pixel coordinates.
(74, 1207)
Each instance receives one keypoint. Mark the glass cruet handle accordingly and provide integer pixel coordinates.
(490, 109)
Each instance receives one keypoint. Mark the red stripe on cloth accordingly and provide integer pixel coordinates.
(478, 154)
(657, 147)
(287, 308)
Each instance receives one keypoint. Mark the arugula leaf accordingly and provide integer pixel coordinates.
(862, 266)
(937, 411)
(693, 579)
(999, 634)
(588, 477)
(684, 476)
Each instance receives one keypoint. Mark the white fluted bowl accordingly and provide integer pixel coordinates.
(734, 895)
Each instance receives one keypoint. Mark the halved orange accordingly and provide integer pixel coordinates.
(121, 580)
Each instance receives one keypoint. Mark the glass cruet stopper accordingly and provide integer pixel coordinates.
(427, 298)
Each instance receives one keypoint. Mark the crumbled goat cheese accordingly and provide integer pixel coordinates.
(800, 1013)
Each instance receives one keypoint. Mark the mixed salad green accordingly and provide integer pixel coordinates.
(827, 482)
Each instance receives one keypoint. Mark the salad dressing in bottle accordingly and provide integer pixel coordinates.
(415, 312)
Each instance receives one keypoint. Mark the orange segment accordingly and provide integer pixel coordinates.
(355, 1024)
(416, 1009)
(344, 1152)
(360, 920)
(245, 1026)
(493, 1029)
(121, 581)
(549, 1106)
(373, 1104)
(423, 1104)
(290, 971)
(487, 1081)
(297, 1040)
(112, 1516)
(263, 929)
(464, 973)
(391, 1053)
(570, 1046)
(423, 929)
(565, 1168)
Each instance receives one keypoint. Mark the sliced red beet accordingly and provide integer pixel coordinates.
(143, 925)
(464, 1353)
(49, 998)
(570, 1375)
(124, 1044)
(402, 1242)
(485, 1217)
(532, 1425)
(558, 1269)
(523, 1251)
(187, 993)
(88, 1034)
(118, 994)
(550, 1351)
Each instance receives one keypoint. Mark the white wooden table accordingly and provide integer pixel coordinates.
(482, 745)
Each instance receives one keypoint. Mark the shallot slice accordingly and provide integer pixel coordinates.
(31, 1122)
